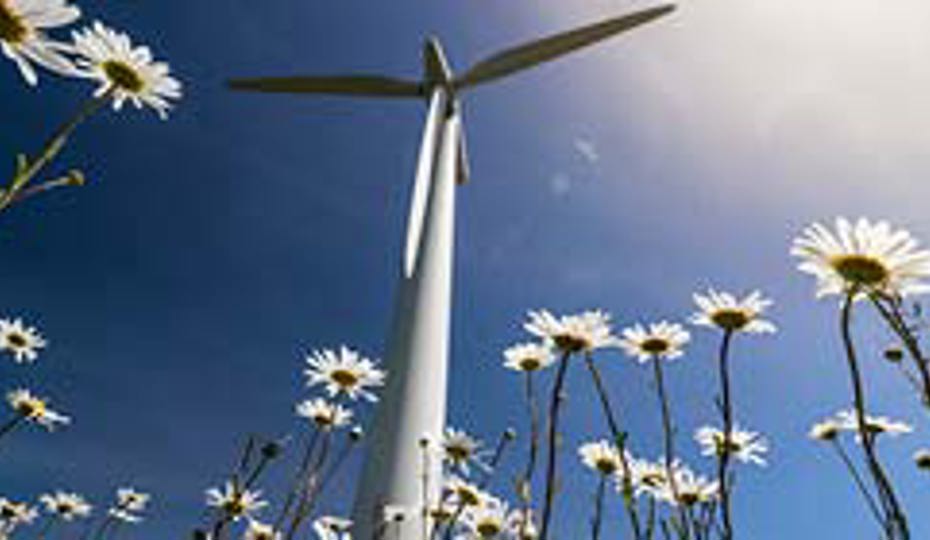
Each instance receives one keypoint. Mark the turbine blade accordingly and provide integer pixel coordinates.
(532, 54)
(352, 85)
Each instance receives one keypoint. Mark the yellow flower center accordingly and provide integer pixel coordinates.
(571, 343)
(12, 27)
(234, 506)
(530, 364)
(655, 345)
(860, 269)
(458, 452)
(730, 319)
(653, 479)
(123, 76)
(441, 514)
(731, 448)
(488, 529)
(688, 498)
(469, 497)
(65, 508)
(32, 408)
(344, 378)
(606, 465)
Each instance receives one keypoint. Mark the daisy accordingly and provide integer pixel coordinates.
(394, 513)
(463, 493)
(67, 506)
(235, 503)
(13, 514)
(22, 35)
(864, 257)
(727, 312)
(124, 72)
(661, 340)
(324, 414)
(459, 449)
(333, 528)
(487, 521)
(746, 446)
(584, 332)
(344, 372)
(21, 341)
(601, 456)
(528, 357)
(128, 503)
(693, 488)
(826, 430)
(876, 425)
(35, 409)
(522, 526)
(260, 531)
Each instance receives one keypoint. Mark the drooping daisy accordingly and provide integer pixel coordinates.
(23, 39)
(66, 506)
(460, 492)
(234, 502)
(459, 449)
(725, 311)
(863, 256)
(746, 446)
(584, 332)
(22, 341)
(826, 430)
(35, 409)
(661, 340)
(485, 522)
(344, 372)
(125, 72)
(333, 528)
(922, 459)
(13, 514)
(876, 425)
(693, 488)
(324, 414)
(601, 456)
(129, 503)
(528, 357)
(260, 531)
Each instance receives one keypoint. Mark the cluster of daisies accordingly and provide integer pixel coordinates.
(61, 508)
(124, 72)
(347, 379)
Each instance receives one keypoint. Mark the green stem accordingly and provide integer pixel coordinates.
(895, 320)
(669, 441)
(8, 427)
(860, 483)
(726, 409)
(555, 406)
(598, 509)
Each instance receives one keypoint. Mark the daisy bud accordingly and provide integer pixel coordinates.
(894, 354)
(510, 434)
(272, 449)
(356, 433)
(922, 459)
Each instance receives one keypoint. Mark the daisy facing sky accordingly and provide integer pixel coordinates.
(584, 332)
(723, 310)
(23, 38)
(21, 341)
(864, 256)
(344, 372)
(659, 340)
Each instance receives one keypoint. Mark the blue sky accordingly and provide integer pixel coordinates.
(181, 288)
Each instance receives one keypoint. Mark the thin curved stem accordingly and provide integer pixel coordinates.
(669, 441)
(892, 315)
(555, 406)
(860, 483)
(723, 463)
(597, 521)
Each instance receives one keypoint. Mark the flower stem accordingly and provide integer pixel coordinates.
(726, 410)
(8, 427)
(598, 509)
(619, 438)
(860, 483)
(524, 484)
(669, 440)
(894, 318)
(27, 170)
(895, 522)
(555, 406)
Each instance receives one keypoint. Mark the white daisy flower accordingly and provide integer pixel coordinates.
(67, 506)
(13, 514)
(35, 409)
(129, 503)
(826, 430)
(460, 492)
(22, 341)
(661, 340)
(125, 72)
(344, 372)
(260, 531)
(23, 39)
(876, 425)
(521, 526)
(724, 310)
(601, 456)
(693, 488)
(647, 477)
(333, 528)
(459, 449)
(584, 332)
(234, 502)
(528, 357)
(864, 256)
(485, 522)
(324, 414)
(746, 446)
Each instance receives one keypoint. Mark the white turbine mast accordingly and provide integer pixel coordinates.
(413, 406)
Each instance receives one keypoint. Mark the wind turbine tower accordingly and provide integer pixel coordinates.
(414, 401)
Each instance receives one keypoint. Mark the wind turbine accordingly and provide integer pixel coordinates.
(414, 401)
